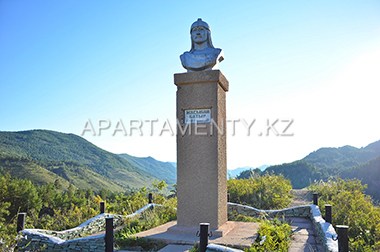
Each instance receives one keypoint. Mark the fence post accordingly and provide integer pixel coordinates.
(109, 234)
(328, 217)
(203, 236)
(20, 221)
(150, 198)
(315, 199)
(102, 207)
(342, 238)
(228, 197)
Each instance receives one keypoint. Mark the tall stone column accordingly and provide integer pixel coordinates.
(201, 148)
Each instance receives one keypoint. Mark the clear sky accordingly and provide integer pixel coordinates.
(316, 63)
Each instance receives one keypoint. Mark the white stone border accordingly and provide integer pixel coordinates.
(220, 248)
(43, 237)
(266, 211)
(315, 215)
(326, 227)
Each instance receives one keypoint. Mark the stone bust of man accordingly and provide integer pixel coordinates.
(202, 55)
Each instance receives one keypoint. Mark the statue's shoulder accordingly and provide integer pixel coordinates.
(219, 54)
(183, 55)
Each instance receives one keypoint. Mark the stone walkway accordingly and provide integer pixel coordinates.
(304, 238)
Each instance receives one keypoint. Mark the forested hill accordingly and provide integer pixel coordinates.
(326, 163)
(346, 156)
(163, 170)
(62, 173)
(369, 173)
(46, 146)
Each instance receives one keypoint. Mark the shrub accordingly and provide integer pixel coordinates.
(272, 236)
(265, 192)
(353, 208)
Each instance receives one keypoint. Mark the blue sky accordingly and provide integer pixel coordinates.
(316, 63)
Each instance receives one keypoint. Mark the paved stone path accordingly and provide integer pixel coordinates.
(304, 237)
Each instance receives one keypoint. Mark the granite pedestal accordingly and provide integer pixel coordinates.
(201, 149)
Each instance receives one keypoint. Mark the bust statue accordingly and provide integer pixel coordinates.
(202, 55)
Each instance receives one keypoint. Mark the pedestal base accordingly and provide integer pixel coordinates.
(220, 232)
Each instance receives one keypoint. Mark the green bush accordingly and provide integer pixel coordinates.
(351, 207)
(272, 236)
(265, 192)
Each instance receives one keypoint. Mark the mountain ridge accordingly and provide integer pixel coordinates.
(162, 170)
(45, 146)
(326, 163)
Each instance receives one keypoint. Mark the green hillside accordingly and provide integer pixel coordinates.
(44, 145)
(327, 163)
(369, 173)
(300, 173)
(67, 172)
(163, 170)
(346, 156)
(26, 168)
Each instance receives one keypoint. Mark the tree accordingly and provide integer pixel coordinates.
(48, 194)
(57, 184)
(20, 193)
(89, 194)
(159, 185)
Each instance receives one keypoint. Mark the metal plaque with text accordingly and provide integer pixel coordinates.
(197, 115)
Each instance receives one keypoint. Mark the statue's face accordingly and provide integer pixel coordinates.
(199, 35)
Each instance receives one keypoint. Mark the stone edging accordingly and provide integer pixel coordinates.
(324, 230)
(219, 248)
(68, 240)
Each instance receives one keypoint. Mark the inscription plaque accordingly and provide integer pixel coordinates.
(197, 116)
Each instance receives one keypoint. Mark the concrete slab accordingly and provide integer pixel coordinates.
(176, 248)
(221, 231)
(242, 235)
(303, 231)
(306, 248)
